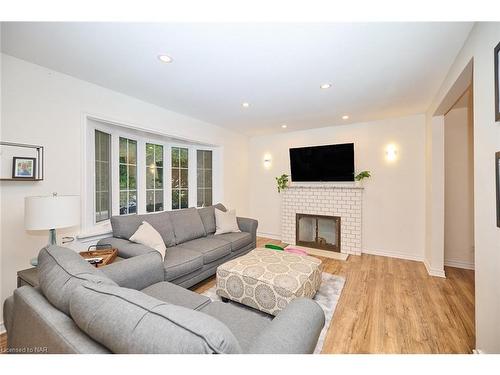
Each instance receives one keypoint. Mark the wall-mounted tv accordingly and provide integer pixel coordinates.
(323, 163)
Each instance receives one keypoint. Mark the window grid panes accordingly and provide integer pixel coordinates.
(204, 177)
(179, 158)
(154, 177)
(128, 176)
(102, 173)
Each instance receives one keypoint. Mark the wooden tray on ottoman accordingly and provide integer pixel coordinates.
(107, 255)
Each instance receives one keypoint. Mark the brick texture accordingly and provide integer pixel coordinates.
(346, 202)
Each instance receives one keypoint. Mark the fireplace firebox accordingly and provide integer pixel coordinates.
(318, 231)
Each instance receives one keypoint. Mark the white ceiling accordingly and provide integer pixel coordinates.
(378, 70)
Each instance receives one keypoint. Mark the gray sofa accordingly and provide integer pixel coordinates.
(127, 307)
(193, 251)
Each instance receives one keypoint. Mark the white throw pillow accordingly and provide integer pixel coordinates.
(225, 222)
(149, 236)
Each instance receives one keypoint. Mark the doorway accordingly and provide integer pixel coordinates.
(459, 183)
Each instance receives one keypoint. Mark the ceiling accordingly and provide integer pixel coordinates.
(377, 70)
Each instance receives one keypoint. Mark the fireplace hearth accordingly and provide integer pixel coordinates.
(318, 231)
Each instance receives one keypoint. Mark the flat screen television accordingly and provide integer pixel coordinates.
(323, 163)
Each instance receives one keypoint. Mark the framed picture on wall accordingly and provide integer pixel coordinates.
(23, 167)
(497, 75)
(497, 179)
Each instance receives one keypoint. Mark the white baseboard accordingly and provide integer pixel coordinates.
(477, 351)
(272, 236)
(459, 264)
(2, 328)
(392, 254)
(434, 271)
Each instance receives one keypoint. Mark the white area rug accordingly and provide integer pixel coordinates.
(327, 297)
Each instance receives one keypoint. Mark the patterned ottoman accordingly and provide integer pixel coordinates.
(268, 280)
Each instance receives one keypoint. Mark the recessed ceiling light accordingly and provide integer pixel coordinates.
(165, 58)
(284, 126)
(325, 86)
(245, 104)
(345, 117)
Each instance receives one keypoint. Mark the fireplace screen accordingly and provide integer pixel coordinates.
(318, 231)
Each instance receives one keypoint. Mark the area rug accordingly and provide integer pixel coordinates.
(327, 297)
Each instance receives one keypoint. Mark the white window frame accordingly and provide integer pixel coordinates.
(142, 136)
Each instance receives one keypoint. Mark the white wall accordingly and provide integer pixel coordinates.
(459, 188)
(41, 106)
(393, 208)
(479, 47)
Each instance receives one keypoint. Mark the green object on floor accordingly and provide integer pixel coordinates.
(273, 247)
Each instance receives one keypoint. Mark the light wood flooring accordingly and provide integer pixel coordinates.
(391, 305)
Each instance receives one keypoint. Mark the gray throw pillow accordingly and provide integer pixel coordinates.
(61, 271)
(207, 215)
(187, 225)
(129, 321)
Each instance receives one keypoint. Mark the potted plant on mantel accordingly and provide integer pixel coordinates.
(282, 182)
(361, 176)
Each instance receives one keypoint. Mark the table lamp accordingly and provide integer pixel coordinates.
(50, 213)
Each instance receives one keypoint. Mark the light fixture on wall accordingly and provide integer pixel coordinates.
(267, 161)
(391, 152)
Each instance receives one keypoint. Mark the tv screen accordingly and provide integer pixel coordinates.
(323, 163)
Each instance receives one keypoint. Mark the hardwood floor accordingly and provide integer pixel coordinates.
(391, 305)
(3, 343)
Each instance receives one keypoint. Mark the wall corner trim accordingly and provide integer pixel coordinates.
(434, 271)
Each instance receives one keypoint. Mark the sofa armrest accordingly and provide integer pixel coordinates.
(137, 272)
(295, 330)
(126, 248)
(38, 327)
(248, 225)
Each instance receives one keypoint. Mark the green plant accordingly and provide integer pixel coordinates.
(362, 175)
(282, 182)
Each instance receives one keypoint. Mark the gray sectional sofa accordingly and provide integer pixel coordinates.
(127, 307)
(193, 251)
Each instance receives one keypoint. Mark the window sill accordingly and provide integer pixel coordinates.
(95, 233)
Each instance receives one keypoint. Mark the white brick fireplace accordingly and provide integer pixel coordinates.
(332, 200)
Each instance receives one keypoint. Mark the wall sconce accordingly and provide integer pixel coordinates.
(267, 161)
(391, 152)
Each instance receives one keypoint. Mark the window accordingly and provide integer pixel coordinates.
(179, 178)
(204, 178)
(128, 176)
(102, 173)
(131, 171)
(154, 177)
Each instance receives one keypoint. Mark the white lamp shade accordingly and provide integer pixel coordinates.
(51, 212)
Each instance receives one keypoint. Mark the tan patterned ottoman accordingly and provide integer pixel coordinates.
(268, 280)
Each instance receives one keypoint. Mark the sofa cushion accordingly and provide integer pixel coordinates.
(237, 240)
(176, 295)
(207, 215)
(125, 226)
(212, 248)
(129, 321)
(61, 271)
(187, 225)
(181, 261)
